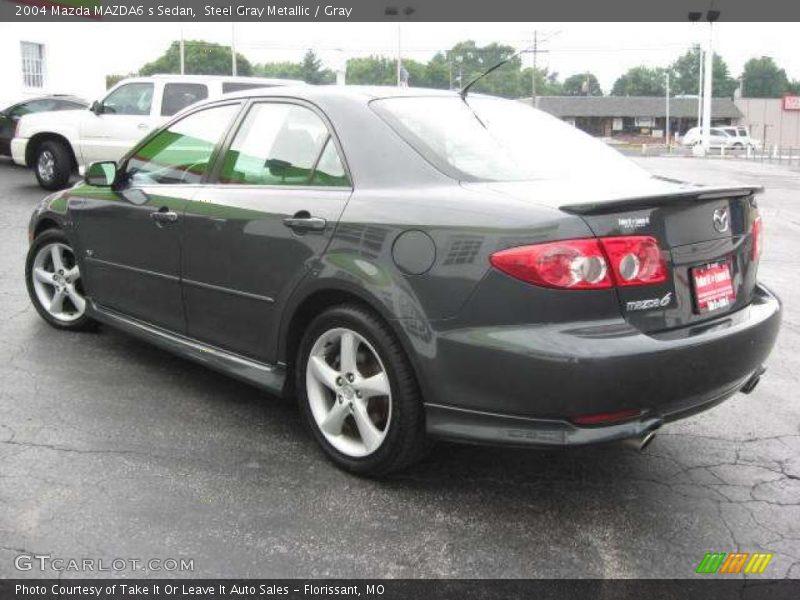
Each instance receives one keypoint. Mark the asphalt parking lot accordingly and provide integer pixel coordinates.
(111, 448)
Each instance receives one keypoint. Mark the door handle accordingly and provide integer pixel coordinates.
(303, 221)
(164, 215)
(142, 126)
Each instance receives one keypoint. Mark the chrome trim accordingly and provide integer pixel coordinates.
(226, 290)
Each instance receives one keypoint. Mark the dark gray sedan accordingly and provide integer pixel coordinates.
(415, 264)
(9, 117)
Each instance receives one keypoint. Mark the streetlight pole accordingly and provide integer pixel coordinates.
(533, 72)
(707, 88)
(701, 57)
(233, 49)
(399, 56)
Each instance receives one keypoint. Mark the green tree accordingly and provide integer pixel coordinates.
(312, 71)
(762, 78)
(372, 70)
(281, 70)
(641, 81)
(468, 60)
(685, 75)
(203, 58)
(582, 84)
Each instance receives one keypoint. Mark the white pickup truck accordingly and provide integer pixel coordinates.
(56, 144)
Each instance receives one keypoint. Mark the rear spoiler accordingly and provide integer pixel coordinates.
(697, 194)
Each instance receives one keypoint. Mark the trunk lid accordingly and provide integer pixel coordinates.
(697, 230)
(695, 227)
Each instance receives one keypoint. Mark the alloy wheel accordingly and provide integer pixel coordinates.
(56, 282)
(46, 165)
(349, 392)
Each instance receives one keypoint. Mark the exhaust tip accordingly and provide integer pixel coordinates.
(647, 440)
(754, 380)
(640, 442)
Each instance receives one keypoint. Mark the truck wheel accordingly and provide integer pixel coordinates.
(53, 165)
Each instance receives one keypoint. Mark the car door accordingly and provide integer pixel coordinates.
(254, 231)
(130, 240)
(123, 117)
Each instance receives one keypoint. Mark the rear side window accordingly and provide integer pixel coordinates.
(178, 96)
(182, 152)
(283, 144)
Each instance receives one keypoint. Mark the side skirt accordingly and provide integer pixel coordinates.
(266, 376)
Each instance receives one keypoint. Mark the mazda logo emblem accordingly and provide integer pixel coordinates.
(721, 220)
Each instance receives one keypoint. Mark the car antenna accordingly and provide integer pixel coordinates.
(465, 90)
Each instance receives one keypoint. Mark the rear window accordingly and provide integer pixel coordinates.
(492, 139)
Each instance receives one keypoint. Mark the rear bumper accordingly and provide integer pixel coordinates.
(521, 385)
(18, 148)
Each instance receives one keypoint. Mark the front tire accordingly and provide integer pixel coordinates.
(52, 165)
(54, 282)
(358, 392)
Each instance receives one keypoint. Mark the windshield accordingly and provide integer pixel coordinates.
(491, 139)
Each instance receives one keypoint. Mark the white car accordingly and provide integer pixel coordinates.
(56, 144)
(741, 137)
(728, 137)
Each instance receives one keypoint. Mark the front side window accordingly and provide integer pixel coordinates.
(281, 144)
(33, 64)
(130, 99)
(178, 96)
(182, 152)
(491, 139)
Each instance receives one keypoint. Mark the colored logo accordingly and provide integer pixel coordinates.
(736, 562)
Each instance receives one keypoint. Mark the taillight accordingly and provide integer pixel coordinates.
(572, 264)
(635, 260)
(758, 239)
(595, 263)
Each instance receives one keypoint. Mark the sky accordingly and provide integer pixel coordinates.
(605, 49)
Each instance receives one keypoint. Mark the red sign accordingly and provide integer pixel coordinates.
(791, 103)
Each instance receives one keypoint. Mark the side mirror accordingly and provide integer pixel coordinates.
(101, 174)
(96, 107)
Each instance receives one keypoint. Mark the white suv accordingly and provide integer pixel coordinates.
(728, 137)
(56, 144)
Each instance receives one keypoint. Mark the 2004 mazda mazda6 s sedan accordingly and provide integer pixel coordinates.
(415, 264)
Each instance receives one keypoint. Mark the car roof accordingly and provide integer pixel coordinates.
(207, 78)
(67, 97)
(364, 92)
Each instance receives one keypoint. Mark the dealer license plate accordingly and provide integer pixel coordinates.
(713, 286)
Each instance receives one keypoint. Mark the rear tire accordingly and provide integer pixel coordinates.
(54, 282)
(358, 393)
(52, 165)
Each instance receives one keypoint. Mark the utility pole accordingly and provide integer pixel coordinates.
(182, 53)
(536, 51)
(233, 49)
(667, 121)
